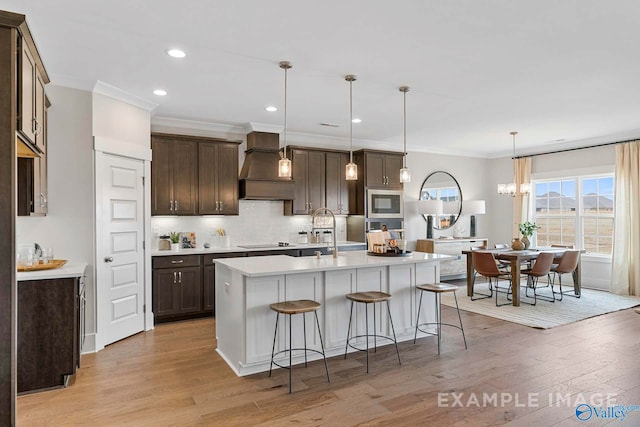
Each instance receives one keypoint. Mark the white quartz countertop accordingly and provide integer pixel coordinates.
(70, 269)
(266, 247)
(282, 264)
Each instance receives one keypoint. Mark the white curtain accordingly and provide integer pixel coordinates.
(521, 202)
(625, 274)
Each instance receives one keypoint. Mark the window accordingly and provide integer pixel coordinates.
(575, 211)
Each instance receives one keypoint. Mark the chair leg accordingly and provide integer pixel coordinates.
(366, 328)
(290, 354)
(304, 330)
(346, 346)
(483, 296)
(439, 320)
(324, 356)
(395, 340)
(375, 344)
(460, 319)
(273, 348)
(415, 336)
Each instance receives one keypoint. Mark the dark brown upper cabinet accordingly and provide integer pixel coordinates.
(308, 173)
(174, 176)
(382, 170)
(31, 99)
(193, 175)
(218, 178)
(337, 190)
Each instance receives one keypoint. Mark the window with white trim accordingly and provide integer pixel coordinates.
(575, 211)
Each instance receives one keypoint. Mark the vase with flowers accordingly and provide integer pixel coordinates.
(527, 229)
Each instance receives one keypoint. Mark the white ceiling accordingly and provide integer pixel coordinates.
(550, 69)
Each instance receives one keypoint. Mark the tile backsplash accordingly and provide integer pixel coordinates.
(260, 221)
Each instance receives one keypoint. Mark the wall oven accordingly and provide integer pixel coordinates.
(385, 204)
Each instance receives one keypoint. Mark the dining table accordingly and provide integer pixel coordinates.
(516, 259)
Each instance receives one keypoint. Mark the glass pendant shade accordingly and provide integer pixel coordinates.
(284, 168)
(405, 175)
(284, 164)
(511, 189)
(352, 171)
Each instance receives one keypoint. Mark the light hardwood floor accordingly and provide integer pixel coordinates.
(173, 376)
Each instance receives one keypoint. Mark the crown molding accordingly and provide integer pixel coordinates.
(106, 89)
(71, 82)
(263, 127)
(160, 123)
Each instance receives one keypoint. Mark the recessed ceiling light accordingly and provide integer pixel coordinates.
(160, 92)
(357, 120)
(271, 108)
(176, 53)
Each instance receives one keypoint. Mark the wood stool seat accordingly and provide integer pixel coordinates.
(295, 307)
(438, 287)
(369, 297)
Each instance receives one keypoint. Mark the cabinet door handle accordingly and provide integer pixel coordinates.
(180, 276)
(220, 205)
(171, 205)
(177, 261)
(38, 129)
(175, 277)
(176, 205)
(217, 208)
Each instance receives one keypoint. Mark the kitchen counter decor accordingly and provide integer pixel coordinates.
(54, 263)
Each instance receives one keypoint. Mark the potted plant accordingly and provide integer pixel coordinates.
(527, 229)
(175, 241)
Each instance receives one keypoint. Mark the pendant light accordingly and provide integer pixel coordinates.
(405, 175)
(352, 169)
(284, 164)
(511, 189)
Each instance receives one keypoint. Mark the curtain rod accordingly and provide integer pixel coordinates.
(577, 148)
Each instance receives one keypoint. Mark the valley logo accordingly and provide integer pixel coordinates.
(585, 412)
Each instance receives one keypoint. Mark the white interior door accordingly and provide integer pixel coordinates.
(119, 250)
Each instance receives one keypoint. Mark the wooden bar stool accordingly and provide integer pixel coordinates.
(291, 308)
(438, 289)
(366, 298)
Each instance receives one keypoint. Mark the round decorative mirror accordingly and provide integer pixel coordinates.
(443, 186)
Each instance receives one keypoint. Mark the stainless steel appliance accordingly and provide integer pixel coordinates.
(384, 204)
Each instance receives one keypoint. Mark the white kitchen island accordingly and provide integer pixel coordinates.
(245, 287)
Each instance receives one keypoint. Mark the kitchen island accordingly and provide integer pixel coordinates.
(247, 286)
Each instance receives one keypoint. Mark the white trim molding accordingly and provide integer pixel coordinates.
(121, 148)
(170, 124)
(106, 89)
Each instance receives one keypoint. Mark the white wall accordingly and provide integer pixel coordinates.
(472, 175)
(68, 227)
(120, 121)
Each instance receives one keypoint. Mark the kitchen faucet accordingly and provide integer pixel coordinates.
(324, 217)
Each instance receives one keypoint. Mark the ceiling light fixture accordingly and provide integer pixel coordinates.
(510, 188)
(176, 53)
(405, 175)
(271, 109)
(352, 169)
(356, 120)
(284, 165)
(160, 92)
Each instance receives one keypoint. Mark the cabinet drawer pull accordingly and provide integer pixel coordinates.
(180, 261)
(175, 277)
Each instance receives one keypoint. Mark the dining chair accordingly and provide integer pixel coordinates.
(568, 264)
(541, 268)
(485, 265)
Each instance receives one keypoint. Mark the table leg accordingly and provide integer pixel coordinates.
(469, 275)
(577, 278)
(515, 282)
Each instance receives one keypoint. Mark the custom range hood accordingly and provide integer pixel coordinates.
(259, 175)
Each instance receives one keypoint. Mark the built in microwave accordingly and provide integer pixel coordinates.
(385, 204)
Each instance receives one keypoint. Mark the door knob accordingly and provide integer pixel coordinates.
(108, 259)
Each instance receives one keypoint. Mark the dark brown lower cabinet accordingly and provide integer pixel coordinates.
(176, 292)
(209, 288)
(49, 327)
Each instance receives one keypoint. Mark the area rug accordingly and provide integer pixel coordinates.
(544, 315)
